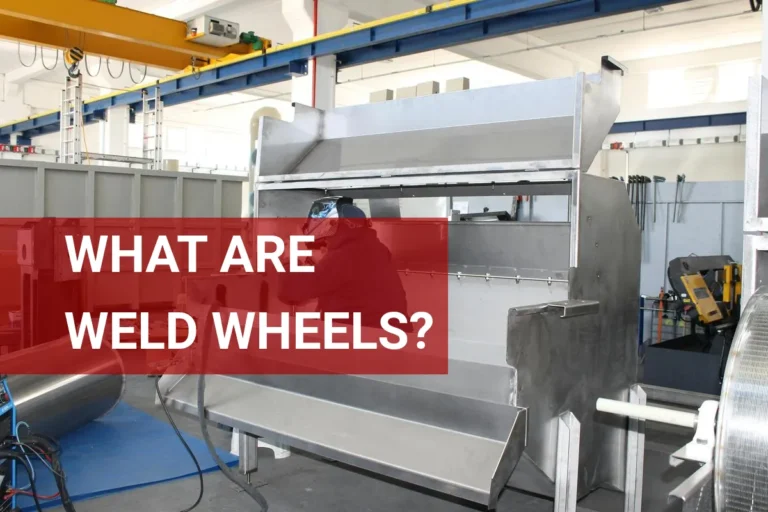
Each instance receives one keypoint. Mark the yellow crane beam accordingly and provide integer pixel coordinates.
(36, 33)
(108, 30)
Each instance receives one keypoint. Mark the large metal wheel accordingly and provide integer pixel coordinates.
(741, 451)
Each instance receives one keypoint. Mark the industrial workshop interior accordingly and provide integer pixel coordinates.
(563, 201)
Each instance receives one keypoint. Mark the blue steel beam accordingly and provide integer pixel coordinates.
(497, 26)
(439, 29)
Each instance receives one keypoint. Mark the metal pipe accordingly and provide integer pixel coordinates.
(647, 412)
(55, 405)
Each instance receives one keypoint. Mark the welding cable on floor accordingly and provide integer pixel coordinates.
(234, 477)
(48, 451)
(184, 442)
(8, 454)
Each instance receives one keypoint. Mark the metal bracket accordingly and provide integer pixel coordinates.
(571, 308)
(249, 455)
(633, 487)
(567, 472)
(702, 448)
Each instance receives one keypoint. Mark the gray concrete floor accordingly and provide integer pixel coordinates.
(304, 483)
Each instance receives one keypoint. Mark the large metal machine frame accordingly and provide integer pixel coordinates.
(543, 316)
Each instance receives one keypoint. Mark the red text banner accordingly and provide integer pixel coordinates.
(223, 296)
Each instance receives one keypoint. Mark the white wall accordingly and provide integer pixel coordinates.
(705, 162)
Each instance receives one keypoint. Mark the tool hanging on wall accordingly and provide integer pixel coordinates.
(656, 181)
(637, 188)
(677, 214)
(73, 57)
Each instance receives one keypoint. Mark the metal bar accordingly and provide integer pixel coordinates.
(487, 277)
(677, 396)
(633, 492)
(249, 454)
(567, 471)
(116, 158)
(439, 28)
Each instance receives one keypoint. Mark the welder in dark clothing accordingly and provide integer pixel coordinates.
(356, 274)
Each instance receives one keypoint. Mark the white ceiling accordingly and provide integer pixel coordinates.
(696, 31)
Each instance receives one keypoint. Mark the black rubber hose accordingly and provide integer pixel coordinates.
(231, 475)
(201, 487)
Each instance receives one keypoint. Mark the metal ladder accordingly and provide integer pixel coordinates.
(71, 121)
(152, 109)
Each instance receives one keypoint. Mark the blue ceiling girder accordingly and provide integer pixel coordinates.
(438, 29)
(677, 123)
(497, 26)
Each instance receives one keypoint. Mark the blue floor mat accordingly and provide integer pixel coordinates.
(124, 450)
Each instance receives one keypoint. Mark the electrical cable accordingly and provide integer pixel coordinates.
(34, 59)
(85, 59)
(109, 70)
(48, 451)
(16, 434)
(184, 442)
(231, 475)
(42, 60)
(130, 74)
(7, 454)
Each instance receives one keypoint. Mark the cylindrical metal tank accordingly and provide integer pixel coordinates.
(55, 405)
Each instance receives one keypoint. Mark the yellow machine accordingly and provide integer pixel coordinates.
(702, 298)
(712, 284)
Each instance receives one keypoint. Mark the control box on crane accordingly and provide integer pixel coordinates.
(212, 31)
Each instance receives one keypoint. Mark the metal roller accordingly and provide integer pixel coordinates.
(741, 453)
(55, 405)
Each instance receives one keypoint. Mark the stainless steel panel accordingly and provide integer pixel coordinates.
(540, 140)
(511, 245)
(391, 445)
(532, 126)
(608, 271)
(567, 363)
(544, 99)
(283, 145)
(477, 322)
(756, 170)
(600, 108)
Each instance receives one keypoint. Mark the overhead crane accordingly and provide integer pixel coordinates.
(438, 26)
(102, 28)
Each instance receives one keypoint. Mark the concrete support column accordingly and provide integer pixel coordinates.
(299, 14)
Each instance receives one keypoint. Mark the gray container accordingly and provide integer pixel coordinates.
(41, 189)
